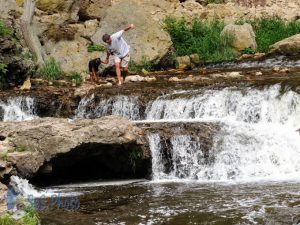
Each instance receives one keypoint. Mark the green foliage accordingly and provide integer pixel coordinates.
(248, 51)
(199, 37)
(95, 47)
(3, 69)
(216, 1)
(4, 156)
(4, 31)
(134, 156)
(6, 220)
(145, 64)
(20, 148)
(50, 70)
(74, 77)
(269, 30)
(31, 217)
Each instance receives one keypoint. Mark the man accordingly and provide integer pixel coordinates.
(117, 46)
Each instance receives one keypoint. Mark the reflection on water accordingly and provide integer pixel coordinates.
(182, 203)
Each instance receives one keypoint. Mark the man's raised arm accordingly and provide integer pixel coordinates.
(129, 27)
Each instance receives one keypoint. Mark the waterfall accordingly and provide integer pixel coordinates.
(257, 138)
(18, 109)
(247, 105)
(125, 106)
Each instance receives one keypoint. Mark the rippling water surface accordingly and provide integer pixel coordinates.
(179, 203)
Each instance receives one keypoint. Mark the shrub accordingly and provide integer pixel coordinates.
(3, 69)
(50, 70)
(74, 77)
(4, 30)
(95, 47)
(199, 37)
(269, 30)
(145, 64)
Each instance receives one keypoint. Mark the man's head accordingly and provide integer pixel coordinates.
(106, 38)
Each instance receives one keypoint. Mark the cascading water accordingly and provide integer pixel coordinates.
(18, 109)
(257, 138)
(119, 105)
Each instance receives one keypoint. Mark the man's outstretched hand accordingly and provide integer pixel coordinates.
(129, 27)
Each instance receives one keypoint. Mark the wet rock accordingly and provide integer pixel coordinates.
(174, 79)
(26, 85)
(183, 62)
(234, 74)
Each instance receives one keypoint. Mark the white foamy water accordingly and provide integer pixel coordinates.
(247, 105)
(126, 106)
(24, 188)
(257, 139)
(18, 109)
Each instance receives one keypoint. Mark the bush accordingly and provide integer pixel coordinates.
(145, 64)
(4, 30)
(269, 30)
(74, 77)
(199, 37)
(50, 70)
(3, 69)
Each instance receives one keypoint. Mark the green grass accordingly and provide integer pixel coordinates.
(199, 37)
(216, 1)
(6, 220)
(31, 218)
(4, 157)
(269, 30)
(50, 70)
(145, 64)
(4, 31)
(74, 77)
(95, 47)
(3, 69)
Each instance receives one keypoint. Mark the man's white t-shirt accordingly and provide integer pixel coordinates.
(118, 45)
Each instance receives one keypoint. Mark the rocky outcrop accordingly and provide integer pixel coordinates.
(39, 144)
(95, 9)
(289, 46)
(3, 191)
(239, 36)
(19, 62)
(148, 39)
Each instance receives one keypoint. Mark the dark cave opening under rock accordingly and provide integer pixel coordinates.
(92, 161)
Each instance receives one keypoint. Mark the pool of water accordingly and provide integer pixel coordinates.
(180, 202)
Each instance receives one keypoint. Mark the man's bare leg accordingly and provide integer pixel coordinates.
(118, 72)
(124, 72)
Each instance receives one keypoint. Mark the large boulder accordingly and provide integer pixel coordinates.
(147, 39)
(39, 141)
(72, 55)
(93, 9)
(288, 46)
(240, 36)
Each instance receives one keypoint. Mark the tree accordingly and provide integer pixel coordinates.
(29, 35)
